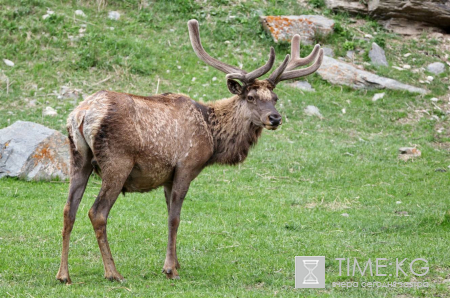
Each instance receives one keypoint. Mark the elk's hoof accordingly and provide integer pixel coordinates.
(171, 273)
(114, 277)
(64, 279)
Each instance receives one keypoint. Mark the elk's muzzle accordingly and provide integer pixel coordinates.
(273, 121)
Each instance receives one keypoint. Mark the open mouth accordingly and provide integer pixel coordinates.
(271, 127)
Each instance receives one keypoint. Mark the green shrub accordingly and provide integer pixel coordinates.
(381, 41)
(349, 45)
(317, 3)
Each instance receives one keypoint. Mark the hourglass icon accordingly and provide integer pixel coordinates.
(310, 278)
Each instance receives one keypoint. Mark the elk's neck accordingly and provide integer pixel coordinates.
(233, 132)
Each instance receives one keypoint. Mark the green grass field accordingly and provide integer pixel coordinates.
(241, 227)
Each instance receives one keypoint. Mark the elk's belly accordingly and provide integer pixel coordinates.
(148, 178)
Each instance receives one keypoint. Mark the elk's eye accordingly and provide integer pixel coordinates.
(250, 98)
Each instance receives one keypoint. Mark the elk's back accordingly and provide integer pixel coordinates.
(157, 133)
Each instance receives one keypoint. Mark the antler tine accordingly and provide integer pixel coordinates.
(194, 35)
(274, 77)
(246, 78)
(263, 69)
(304, 71)
(296, 61)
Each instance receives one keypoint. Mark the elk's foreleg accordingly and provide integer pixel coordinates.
(179, 190)
(167, 194)
(111, 187)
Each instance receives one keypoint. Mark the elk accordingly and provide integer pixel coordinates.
(137, 144)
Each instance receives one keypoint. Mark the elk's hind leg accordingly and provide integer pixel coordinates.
(80, 170)
(112, 184)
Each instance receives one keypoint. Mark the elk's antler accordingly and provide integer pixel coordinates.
(286, 70)
(231, 71)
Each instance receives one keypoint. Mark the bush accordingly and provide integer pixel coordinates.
(317, 3)
(349, 45)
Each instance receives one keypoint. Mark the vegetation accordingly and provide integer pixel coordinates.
(332, 187)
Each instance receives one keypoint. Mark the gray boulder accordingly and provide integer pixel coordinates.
(352, 6)
(401, 16)
(404, 26)
(283, 28)
(32, 151)
(436, 68)
(328, 52)
(302, 85)
(350, 55)
(435, 12)
(377, 56)
(340, 73)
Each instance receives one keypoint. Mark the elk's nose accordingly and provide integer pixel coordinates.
(275, 119)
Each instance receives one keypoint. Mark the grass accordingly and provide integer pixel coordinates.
(241, 226)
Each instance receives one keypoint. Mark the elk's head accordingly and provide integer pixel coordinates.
(258, 95)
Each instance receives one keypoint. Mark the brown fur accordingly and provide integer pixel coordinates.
(232, 132)
(138, 143)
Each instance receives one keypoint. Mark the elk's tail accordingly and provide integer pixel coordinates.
(78, 143)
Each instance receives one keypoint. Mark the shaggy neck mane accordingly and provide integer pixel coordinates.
(233, 132)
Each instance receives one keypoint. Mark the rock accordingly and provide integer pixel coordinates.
(33, 152)
(8, 62)
(113, 15)
(350, 55)
(430, 79)
(341, 73)
(48, 14)
(352, 6)
(402, 213)
(80, 13)
(283, 28)
(49, 111)
(378, 96)
(313, 111)
(437, 35)
(302, 85)
(377, 56)
(68, 93)
(328, 52)
(398, 68)
(407, 55)
(406, 66)
(404, 26)
(406, 153)
(436, 68)
(435, 12)
(31, 103)
(434, 99)
(410, 17)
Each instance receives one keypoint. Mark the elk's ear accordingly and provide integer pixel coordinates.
(234, 87)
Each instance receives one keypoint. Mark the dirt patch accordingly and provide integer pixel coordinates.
(414, 117)
(335, 205)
